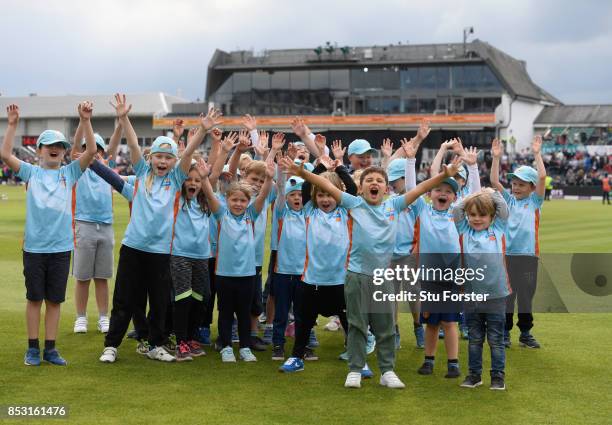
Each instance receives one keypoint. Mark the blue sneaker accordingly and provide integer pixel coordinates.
(292, 364)
(343, 356)
(419, 334)
(366, 372)
(464, 332)
(32, 357)
(371, 343)
(203, 336)
(312, 340)
(441, 333)
(267, 334)
(54, 357)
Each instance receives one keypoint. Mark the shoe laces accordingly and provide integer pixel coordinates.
(391, 377)
(183, 348)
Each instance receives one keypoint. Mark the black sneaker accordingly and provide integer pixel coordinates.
(132, 334)
(257, 344)
(528, 341)
(471, 381)
(310, 355)
(497, 383)
(426, 369)
(278, 353)
(453, 372)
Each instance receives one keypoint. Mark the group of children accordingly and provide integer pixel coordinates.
(197, 233)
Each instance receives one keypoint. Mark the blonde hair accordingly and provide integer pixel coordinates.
(238, 187)
(481, 202)
(257, 167)
(357, 179)
(333, 178)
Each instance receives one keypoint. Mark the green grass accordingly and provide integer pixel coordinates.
(567, 381)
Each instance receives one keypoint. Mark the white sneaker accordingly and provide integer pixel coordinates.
(390, 380)
(103, 324)
(353, 380)
(80, 325)
(109, 355)
(333, 325)
(246, 355)
(160, 353)
(227, 355)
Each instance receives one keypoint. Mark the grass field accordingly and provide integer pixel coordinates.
(566, 382)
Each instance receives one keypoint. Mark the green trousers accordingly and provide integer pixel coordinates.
(361, 311)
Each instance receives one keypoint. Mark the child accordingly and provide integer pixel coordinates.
(235, 265)
(481, 223)
(94, 235)
(525, 204)
(49, 239)
(321, 288)
(144, 258)
(189, 263)
(372, 238)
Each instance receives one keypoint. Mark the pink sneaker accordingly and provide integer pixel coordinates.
(195, 349)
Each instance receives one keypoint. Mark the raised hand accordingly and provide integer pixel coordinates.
(202, 167)
(12, 112)
(85, 110)
(178, 128)
(496, 148)
(298, 127)
(387, 148)
(270, 169)
(536, 145)
(453, 168)
(229, 142)
(249, 122)
(244, 141)
(328, 162)
(410, 147)
(212, 118)
(337, 149)
(470, 155)
(181, 148)
(423, 131)
(320, 142)
(291, 151)
(278, 141)
(122, 109)
(216, 135)
(290, 167)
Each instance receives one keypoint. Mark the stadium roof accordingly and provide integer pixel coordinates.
(593, 115)
(143, 105)
(511, 72)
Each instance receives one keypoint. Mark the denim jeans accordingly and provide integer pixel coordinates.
(283, 289)
(486, 319)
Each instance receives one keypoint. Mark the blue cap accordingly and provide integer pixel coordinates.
(307, 165)
(299, 143)
(99, 141)
(396, 169)
(359, 147)
(463, 172)
(163, 140)
(293, 183)
(226, 169)
(50, 137)
(452, 183)
(525, 173)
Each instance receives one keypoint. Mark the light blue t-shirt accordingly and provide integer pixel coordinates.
(484, 250)
(260, 227)
(48, 227)
(523, 229)
(436, 237)
(327, 245)
(291, 239)
(213, 227)
(404, 240)
(191, 231)
(373, 232)
(236, 242)
(153, 214)
(94, 199)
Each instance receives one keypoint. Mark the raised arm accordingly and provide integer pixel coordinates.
(75, 152)
(215, 146)
(410, 148)
(278, 141)
(115, 140)
(303, 132)
(423, 187)
(244, 144)
(436, 164)
(260, 201)
(122, 110)
(298, 170)
(338, 151)
(204, 170)
(229, 143)
(281, 178)
(250, 123)
(386, 150)
(207, 122)
(12, 112)
(108, 175)
(496, 153)
(85, 111)
(536, 148)
(470, 157)
(501, 207)
(178, 128)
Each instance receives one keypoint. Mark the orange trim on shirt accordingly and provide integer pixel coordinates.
(306, 260)
(349, 225)
(537, 233)
(177, 202)
(504, 261)
(73, 209)
(278, 237)
(133, 196)
(461, 250)
(417, 239)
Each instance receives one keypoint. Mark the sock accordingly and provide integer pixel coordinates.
(49, 344)
(269, 326)
(103, 316)
(453, 363)
(430, 359)
(33, 343)
(81, 315)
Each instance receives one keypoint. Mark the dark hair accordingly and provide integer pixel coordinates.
(372, 170)
(200, 199)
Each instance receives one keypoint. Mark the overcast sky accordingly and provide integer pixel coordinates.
(98, 47)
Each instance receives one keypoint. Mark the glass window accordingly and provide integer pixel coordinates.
(490, 103)
(472, 104)
(390, 105)
(427, 78)
(261, 81)
(226, 87)
(443, 77)
(359, 80)
(410, 106)
(390, 79)
(427, 106)
(279, 80)
(299, 80)
(319, 79)
(489, 80)
(321, 101)
(372, 105)
(242, 82)
(339, 79)
(468, 77)
(409, 78)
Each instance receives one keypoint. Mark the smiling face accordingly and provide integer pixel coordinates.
(237, 202)
(478, 221)
(521, 189)
(373, 187)
(294, 200)
(442, 197)
(193, 184)
(51, 156)
(162, 163)
(256, 181)
(302, 153)
(362, 161)
(325, 202)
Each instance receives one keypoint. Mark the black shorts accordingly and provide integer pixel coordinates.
(257, 304)
(46, 275)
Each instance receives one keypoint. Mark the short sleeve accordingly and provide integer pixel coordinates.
(399, 202)
(221, 211)
(178, 176)
(500, 225)
(73, 171)
(537, 200)
(280, 211)
(25, 171)
(141, 168)
(349, 201)
(507, 197)
(132, 180)
(128, 191)
(252, 211)
(462, 225)
(272, 195)
(417, 206)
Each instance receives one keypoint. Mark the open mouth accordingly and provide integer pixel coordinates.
(54, 155)
(191, 191)
(302, 157)
(374, 191)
